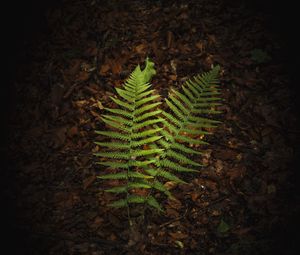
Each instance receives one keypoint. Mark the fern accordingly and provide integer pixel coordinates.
(131, 132)
(185, 124)
(148, 146)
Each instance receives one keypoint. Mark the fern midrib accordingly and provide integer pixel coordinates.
(130, 152)
(131, 129)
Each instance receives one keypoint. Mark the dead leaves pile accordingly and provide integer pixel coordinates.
(92, 47)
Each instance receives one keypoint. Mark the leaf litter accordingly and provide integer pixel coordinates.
(237, 198)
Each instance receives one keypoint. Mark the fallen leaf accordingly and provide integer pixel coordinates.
(104, 69)
(140, 48)
(173, 77)
(178, 235)
(171, 213)
(170, 185)
(73, 131)
(174, 203)
(83, 76)
(195, 196)
(115, 66)
(100, 106)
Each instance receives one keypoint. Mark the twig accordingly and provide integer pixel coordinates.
(71, 89)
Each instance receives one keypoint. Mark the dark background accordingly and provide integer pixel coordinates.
(23, 21)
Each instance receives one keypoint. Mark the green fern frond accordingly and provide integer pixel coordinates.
(139, 153)
(130, 107)
(115, 155)
(145, 108)
(118, 119)
(113, 145)
(119, 203)
(146, 100)
(137, 104)
(169, 117)
(138, 163)
(159, 186)
(149, 71)
(153, 202)
(175, 110)
(184, 148)
(147, 115)
(194, 131)
(136, 199)
(120, 112)
(145, 141)
(165, 174)
(174, 166)
(179, 105)
(114, 135)
(181, 158)
(144, 94)
(125, 94)
(116, 125)
(146, 123)
(183, 124)
(190, 140)
(132, 185)
(113, 164)
(146, 133)
(124, 175)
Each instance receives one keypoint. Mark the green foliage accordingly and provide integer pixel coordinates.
(131, 132)
(147, 146)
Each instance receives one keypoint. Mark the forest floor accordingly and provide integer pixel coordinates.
(240, 203)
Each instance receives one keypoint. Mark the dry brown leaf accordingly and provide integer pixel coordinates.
(212, 39)
(140, 48)
(178, 235)
(115, 66)
(83, 76)
(170, 185)
(104, 69)
(73, 131)
(194, 196)
(174, 203)
(172, 213)
(173, 77)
